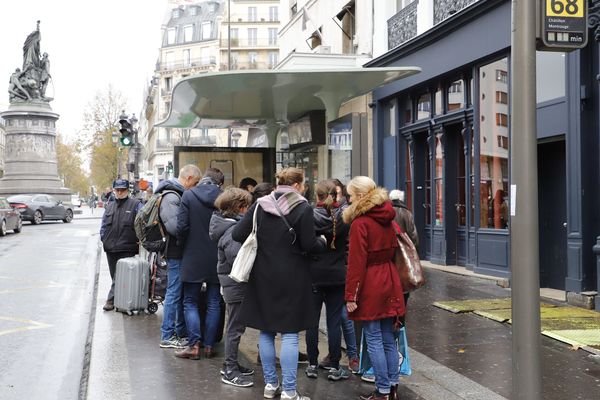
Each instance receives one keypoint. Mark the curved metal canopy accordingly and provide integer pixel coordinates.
(259, 98)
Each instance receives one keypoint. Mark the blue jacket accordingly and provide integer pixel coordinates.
(199, 261)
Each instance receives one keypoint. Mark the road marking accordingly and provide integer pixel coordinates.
(32, 325)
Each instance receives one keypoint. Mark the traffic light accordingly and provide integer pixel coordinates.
(169, 167)
(126, 131)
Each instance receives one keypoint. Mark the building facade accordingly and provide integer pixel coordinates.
(2, 146)
(443, 136)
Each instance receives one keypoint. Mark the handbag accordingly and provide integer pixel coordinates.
(244, 261)
(407, 262)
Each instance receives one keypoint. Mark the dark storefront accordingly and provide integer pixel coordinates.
(447, 132)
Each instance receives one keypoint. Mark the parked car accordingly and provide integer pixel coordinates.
(76, 201)
(40, 207)
(10, 219)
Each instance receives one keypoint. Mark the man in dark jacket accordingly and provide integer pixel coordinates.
(199, 263)
(404, 217)
(117, 233)
(173, 325)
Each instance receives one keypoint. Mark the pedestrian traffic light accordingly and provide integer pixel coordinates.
(126, 131)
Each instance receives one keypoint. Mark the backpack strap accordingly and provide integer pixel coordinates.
(290, 229)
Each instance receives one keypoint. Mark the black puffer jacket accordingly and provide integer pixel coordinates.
(116, 232)
(329, 268)
(220, 232)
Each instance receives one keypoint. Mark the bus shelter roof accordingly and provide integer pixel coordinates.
(264, 97)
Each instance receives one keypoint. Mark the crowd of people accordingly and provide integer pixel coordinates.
(338, 253)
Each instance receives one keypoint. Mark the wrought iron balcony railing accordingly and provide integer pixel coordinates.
(246, 42)
(403, 25)
(203, 63)
(442, 9)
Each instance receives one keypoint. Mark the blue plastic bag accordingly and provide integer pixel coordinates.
(401, 343)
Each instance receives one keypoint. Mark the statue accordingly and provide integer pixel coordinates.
(30, 83)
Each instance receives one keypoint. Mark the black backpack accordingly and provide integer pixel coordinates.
(149, 228)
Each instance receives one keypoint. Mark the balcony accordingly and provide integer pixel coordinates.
(403, 25)
(196, 63)
(443, 9)
(245, 18)
(247, 65)
(252, 43)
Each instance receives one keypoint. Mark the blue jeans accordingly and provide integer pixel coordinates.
(173, 320)
(191, 301)
(349, 335)
(288, 359)
(333, 297)
(383, 352)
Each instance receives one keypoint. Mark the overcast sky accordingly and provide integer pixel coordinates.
(90, 44)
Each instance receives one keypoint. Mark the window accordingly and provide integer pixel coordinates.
(252, 59)
(171, 35)
(472, 177)
(390, 126)
(252, 15)
(175, 13)
(501, 119)
(186, 58)
(501, 75)
(205, 55)
(461, 211)
(193, 11)
(206, 30)
(169, 60)
(456, 95)
(273, 14)
(273, 59)
(427, 186)
(235, 34)
(493, 151)
(501, 97)
(439, 105)
(439, 188)
(252, 36)
(424, 107)
(188, 33)
(408, 108)
(272, 36)
(168, 83)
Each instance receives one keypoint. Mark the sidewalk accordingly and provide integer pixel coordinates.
(453, 356)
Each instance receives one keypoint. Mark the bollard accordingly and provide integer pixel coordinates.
(596, 250)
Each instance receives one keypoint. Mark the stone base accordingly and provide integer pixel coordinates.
(584, 299)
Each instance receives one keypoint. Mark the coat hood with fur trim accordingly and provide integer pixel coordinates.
(376, 203)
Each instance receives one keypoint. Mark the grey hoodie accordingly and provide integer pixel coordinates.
(220, 232)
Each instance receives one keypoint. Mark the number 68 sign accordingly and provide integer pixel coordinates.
(564, 24)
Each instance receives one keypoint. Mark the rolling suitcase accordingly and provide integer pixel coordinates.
(131, 284)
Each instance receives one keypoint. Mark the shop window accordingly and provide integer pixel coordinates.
(439, 189)
(493, 148)
(472, 178)
(456, 95)
(439, 103)
(461, 210)
(550, 75)
(408, 172)
(424, 107)
(501, 97)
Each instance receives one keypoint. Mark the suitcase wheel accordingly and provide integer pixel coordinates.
(152, 308)
(130, 313)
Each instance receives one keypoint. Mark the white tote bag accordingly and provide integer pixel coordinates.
(244, 261)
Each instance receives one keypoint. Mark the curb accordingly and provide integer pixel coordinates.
(85, 373)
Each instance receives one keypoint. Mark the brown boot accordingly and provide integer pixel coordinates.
(374, 395)
(393, 392)
(191, 352)
(209, 352)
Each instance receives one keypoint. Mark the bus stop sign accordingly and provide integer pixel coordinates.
(564, 24)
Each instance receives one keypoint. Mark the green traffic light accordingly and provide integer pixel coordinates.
(126, 141)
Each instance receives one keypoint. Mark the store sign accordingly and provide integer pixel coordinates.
(564, 24)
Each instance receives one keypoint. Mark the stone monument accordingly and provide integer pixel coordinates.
(30, 152)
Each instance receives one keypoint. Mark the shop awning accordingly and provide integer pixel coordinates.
(267, 97)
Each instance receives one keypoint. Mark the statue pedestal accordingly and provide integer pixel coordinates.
(30, 152)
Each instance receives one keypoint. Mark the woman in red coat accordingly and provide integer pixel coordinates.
(373, 289)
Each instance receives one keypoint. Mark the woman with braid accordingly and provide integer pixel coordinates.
(328, 273)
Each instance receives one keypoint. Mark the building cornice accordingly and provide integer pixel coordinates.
(436, 33)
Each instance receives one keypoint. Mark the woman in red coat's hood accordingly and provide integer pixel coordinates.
(373, 290)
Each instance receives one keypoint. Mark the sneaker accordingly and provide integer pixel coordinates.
(353, 365)
(243, 370)
(271, 391)
(374, 395)
(337, 374)
(295, 396)
(368, 376)
(238, 380)
(172, 343)
(109, 305)
(312, 371)
(326, 363)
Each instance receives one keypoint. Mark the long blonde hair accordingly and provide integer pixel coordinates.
(360, 185)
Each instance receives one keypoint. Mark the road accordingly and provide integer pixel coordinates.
(47, 275)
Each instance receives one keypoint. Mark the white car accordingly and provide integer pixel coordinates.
(76, 200)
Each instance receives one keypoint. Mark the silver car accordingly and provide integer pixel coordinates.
(40, 207)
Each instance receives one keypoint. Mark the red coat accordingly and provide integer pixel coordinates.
(372, 281)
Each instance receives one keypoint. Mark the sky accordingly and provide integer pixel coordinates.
(90, 44)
